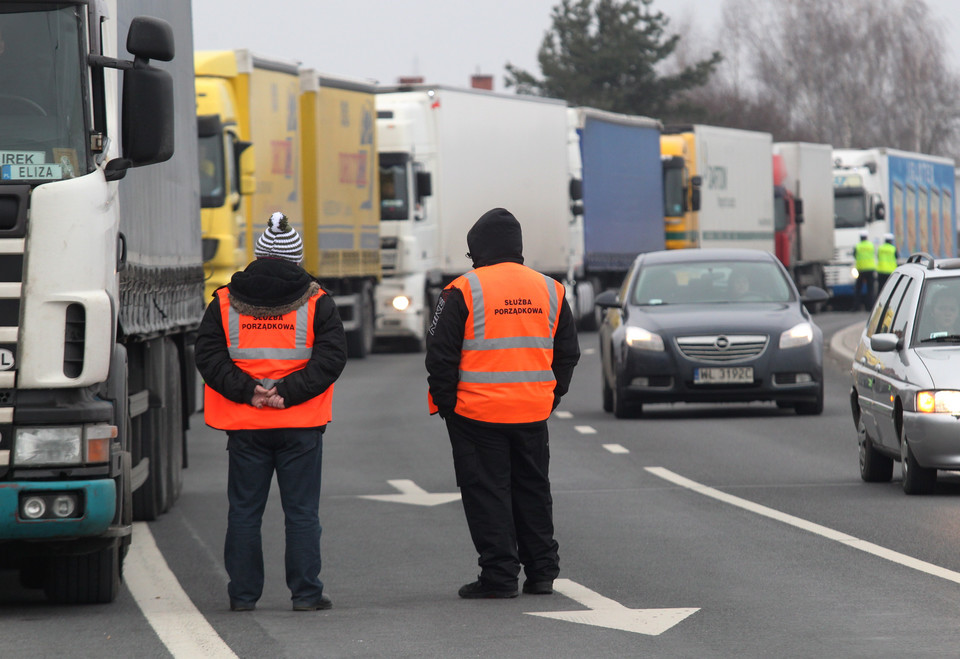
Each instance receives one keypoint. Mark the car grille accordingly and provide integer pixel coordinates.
(722, 348)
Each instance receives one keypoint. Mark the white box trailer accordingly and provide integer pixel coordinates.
(736, 194)
(447, 156)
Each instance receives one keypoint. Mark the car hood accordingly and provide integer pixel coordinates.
(725, 318)
(943, 365)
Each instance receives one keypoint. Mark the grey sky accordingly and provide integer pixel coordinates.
(445, 41)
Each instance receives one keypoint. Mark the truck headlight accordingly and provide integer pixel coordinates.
(945, 402)
(642, 339)
(48, 446)
(401, 302)
(796, 336)
(854, 273)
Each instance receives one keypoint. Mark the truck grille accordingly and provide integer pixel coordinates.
(388, 254)
(721, 348)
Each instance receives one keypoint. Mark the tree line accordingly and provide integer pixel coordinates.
(856, 74)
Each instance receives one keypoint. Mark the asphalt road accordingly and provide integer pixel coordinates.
(695, 531)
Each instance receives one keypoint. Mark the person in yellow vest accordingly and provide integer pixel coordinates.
(501, 350)
(886, 260)
(865, 260)
(270, 347)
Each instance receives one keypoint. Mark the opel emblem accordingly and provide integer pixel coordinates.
(722, 343)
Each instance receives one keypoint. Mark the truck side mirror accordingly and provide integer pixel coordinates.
(879, 210)
(424, 185)
(798, 210)
(695, 183)
(576, 189)
(246, 166)
(147, 123)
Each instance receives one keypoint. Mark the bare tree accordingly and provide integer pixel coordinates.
(855, 74)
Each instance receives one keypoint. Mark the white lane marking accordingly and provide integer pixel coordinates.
(585, 430)
(800, 523)
(616, 448)
(605, 612)
(563, 414)
(413, 494)
(181, 627)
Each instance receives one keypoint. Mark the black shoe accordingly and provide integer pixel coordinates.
(322, 604)
(478, 590)
(538, 587)
(242, 606)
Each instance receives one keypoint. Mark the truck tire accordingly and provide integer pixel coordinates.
(360, 341)
(151, 499)
(173, 418)
(85, 579)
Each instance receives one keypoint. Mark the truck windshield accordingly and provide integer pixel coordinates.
(673, 191)
(213, 189)
(850, 210)
(780, 214)
(42, 127)
(394, 202)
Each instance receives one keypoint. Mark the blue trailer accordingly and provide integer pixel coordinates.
(620, 213)
(881, 191)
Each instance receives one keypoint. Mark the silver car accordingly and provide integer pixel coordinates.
(905, 396)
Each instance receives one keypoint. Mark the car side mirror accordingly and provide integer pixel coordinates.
(607, 300)
(814, 294)
(885, 342)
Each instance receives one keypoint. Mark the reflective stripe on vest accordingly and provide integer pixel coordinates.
(507, 352)
(267, 349)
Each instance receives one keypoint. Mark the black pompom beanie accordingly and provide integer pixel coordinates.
(494, 238)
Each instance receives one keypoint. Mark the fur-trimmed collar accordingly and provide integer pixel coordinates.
(247, 309)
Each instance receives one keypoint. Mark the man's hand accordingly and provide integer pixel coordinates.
(275, 400)
(262, 396)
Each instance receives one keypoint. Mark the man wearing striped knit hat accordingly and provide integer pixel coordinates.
(269, 348)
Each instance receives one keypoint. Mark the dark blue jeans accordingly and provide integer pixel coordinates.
(296, 455)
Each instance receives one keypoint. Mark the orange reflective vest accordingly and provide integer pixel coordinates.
(506, 363)
(267, 349)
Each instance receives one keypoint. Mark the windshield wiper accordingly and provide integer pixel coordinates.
(944, 338)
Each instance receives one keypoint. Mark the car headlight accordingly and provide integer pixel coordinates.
(642, 339)
(796, 336)
(48, 446)
(401, 303)
(945, 402)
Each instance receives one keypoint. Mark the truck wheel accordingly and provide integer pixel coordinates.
(360, 341)
(151, 499)
(87, 579)
(173, 416)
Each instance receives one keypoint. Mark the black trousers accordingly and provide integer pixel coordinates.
(503, 475)
(863, 291)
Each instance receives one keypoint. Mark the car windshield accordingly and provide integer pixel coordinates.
(938, 318)
(709, 282)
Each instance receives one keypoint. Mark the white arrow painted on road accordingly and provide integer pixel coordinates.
(605, 612)
(413, 494)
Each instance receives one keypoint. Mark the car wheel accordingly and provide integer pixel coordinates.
(607, 394)
(623, 408)
(874, 466)
(811, 408)
(916, 479)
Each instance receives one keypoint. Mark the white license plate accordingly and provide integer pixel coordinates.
(723, 375)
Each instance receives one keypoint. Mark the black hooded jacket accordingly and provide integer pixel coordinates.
(495, 238)
(272, 287)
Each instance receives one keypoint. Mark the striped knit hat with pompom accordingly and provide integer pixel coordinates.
(279, 241)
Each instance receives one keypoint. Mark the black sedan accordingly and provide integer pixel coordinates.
(710, 325)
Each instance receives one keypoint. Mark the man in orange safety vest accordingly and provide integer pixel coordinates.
(500, 353)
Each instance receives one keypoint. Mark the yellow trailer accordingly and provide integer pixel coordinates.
(276, 137)
(341, 199)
